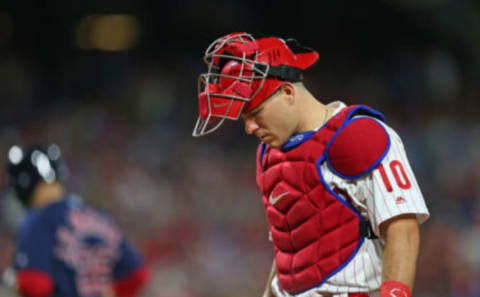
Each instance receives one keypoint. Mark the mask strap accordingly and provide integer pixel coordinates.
(282, 72)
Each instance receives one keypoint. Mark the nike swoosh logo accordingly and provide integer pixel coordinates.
(274, 200)
(219, 105)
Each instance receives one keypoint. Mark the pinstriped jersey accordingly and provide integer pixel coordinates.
(388, 191)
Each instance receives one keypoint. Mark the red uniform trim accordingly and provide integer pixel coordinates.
(34, 283)
(394, 289)
(131, 284)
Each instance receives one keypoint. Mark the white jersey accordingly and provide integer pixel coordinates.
(388, 191)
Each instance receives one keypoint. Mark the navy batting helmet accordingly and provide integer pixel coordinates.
(27, 167)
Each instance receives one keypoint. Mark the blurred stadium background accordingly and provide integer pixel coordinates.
(114, 84)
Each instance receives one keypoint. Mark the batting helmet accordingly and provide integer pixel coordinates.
(243, 72)
(27, 167)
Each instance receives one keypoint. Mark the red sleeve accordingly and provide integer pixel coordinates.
(34, 283)
(132, 283)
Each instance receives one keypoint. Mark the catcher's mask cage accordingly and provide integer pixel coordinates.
(242, 73)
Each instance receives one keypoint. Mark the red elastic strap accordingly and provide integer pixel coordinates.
(34, 283)
(394, 289)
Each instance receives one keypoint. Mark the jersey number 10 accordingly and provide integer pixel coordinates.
(397, 169)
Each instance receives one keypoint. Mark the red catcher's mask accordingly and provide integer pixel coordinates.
(243, 72)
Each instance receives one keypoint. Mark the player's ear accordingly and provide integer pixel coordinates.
(289, 92)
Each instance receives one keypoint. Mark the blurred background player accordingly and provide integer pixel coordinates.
(341, 200)
(64, 247)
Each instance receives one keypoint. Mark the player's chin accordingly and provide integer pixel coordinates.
(273, 142)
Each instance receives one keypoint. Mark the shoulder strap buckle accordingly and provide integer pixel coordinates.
(367, 231)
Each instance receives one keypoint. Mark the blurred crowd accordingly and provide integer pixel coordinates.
(124, 124)
(192, 206)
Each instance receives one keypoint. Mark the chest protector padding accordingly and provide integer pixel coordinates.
(315, 233)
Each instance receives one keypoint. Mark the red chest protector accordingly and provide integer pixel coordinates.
(315, 231)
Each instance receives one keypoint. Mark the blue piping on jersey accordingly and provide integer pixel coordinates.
(364, 107)
(263, 150)
(294, 141)
(344, 125)
(297, 139)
